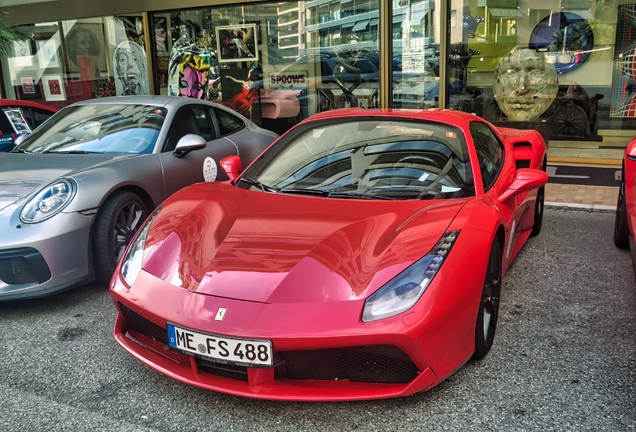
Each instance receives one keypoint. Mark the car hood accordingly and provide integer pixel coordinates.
(21, 174)
(220, 240)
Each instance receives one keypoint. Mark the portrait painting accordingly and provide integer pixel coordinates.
(85, 44)
(237, 43)
(131, 73)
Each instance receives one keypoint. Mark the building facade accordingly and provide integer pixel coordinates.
(279, 62)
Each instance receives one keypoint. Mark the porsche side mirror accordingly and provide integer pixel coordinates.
(525, 180)
(232, 165)
(19, 140)
(188, 143)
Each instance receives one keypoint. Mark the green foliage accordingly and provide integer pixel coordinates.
(9, 34)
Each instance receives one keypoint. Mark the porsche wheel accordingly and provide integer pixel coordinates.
(621, 231)
(489, 304)
(117, 221)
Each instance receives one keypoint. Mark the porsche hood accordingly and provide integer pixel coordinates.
(22, 174)
(220, 240)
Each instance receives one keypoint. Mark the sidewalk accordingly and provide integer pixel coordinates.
(580, 196)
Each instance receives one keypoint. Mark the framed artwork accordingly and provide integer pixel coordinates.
(85, 40)
(237, 43)
(28, 87)
(22, 54)
(53, 88)
(47, 53)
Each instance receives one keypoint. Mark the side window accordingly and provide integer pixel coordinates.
(27, 113)
(184, 122)
(489, 151)
(204, 123)
(40, 116)
(227, 122)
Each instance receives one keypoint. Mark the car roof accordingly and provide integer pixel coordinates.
(448, 116)
(156, 100)
(24, 103)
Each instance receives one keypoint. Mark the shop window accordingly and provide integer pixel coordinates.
(70, 61)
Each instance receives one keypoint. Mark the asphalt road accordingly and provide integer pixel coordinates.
(564, 360)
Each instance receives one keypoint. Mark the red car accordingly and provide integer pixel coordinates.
(20, 117)
(625, 220)
(360, 256)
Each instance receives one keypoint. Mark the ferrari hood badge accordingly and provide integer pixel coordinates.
(220, 314)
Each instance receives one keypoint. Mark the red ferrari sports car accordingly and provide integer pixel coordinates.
(626, 206)
(360, 256)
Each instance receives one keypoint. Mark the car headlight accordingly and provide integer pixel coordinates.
(134, 257)
(404, 290)
(48, 202)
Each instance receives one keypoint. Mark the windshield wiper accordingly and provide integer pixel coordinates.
(19, 151)
(71, 152)
(256, 183)
(300, 191)
(357, 195)
(334, 193)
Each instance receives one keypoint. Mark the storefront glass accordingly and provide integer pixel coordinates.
(555, 67)
(70, 61)
(276, 63)
(280, 62)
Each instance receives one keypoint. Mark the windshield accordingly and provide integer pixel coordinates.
(98, 128)
(366, 158)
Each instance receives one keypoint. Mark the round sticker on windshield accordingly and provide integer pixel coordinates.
(209, 170)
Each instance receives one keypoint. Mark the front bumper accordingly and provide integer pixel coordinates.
(43, 258)
(323, 352)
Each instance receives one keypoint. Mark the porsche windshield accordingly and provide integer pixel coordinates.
(367, 158)
(98, 128)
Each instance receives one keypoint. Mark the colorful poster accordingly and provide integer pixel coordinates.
(241, 91)
(19, 123)
(27, 86)
(53, 88)
(623, 98)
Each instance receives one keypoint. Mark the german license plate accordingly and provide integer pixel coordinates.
(247, 352)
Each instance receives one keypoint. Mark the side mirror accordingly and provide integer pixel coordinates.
(20, 139)
(525, 180)
(188, 143)
(232, 165)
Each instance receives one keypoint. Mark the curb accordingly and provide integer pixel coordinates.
(599, 207)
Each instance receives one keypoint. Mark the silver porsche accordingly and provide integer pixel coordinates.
(74, 191)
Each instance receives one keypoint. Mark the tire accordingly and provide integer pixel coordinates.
(489, 304)
(621, 230)
(539, 207)
(117, 221)
(570, 120)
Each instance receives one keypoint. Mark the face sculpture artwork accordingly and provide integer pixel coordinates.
(525, 84)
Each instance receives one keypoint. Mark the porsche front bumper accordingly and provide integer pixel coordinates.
(43, 258)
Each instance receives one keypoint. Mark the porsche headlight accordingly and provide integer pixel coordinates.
(404, 290)
(48, 202)
(133, 259)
